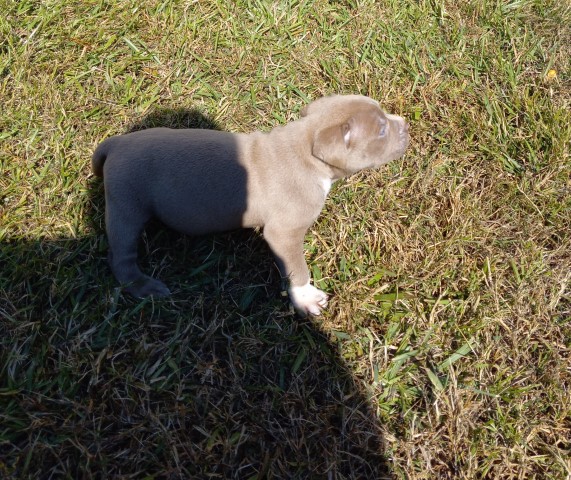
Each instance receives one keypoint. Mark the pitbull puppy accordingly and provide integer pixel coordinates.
(204, 181)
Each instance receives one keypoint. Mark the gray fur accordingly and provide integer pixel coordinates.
(202, 181)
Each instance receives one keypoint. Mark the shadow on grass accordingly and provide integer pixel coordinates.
(220, 381)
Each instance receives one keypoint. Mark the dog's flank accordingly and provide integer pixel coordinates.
(203, 181)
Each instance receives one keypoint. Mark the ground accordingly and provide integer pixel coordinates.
(445, 350)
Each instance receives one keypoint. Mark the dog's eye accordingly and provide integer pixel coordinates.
(383, 130)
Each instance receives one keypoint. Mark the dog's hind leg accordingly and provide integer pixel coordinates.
(124, 227)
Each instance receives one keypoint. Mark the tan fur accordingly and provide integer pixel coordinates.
(203, 181)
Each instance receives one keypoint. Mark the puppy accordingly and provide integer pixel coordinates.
(204, 181)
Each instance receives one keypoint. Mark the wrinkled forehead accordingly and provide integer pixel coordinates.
(340, 108)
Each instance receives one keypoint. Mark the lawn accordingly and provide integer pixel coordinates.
(445, 351)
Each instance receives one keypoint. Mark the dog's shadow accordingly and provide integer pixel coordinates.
(222, 380)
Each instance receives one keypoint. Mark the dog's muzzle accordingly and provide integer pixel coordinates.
(404, 137)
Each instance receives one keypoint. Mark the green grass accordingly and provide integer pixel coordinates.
(445, 350)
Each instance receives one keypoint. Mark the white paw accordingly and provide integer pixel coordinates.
(307, 299)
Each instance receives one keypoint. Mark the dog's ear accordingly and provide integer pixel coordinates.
(331, 144)
(303, 112)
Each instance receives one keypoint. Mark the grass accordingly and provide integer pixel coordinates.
(445, 351)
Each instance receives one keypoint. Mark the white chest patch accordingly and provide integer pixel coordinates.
(326, 185)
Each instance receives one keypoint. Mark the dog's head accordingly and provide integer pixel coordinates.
(352, 132)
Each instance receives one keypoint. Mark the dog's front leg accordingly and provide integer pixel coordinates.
(287, 246)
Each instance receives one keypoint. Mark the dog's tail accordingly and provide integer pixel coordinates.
(99, 156)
